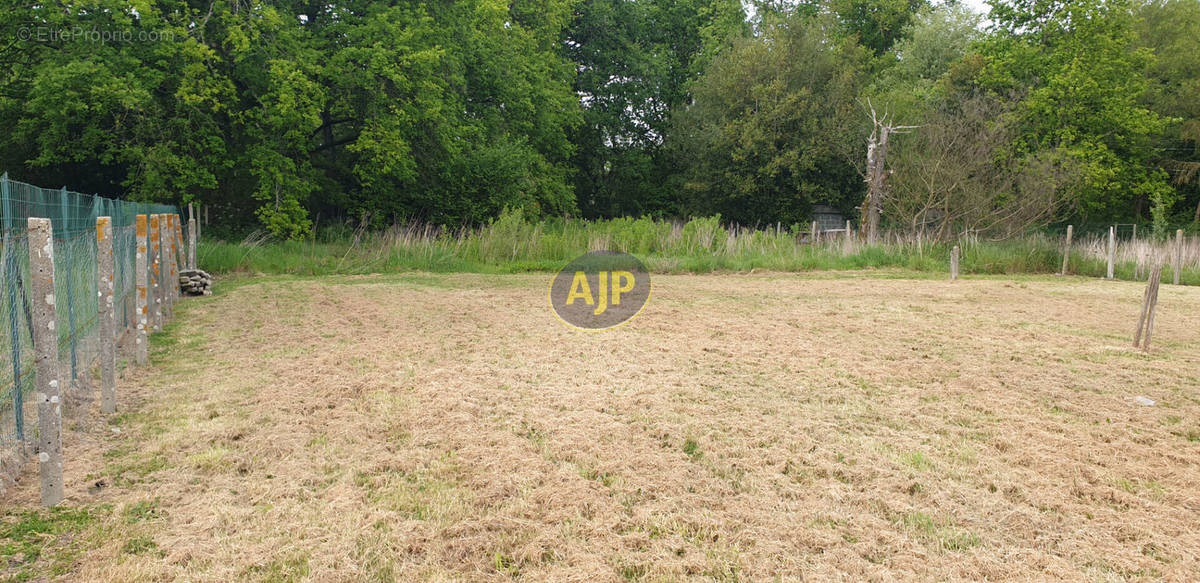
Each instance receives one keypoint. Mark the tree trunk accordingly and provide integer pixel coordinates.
(877, 148)
(877, 158)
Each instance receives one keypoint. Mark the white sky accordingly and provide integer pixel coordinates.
(977, 5)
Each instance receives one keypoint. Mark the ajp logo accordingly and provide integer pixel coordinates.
(600, 290)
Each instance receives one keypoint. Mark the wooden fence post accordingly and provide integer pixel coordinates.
(1112, 250)
(1149, 302)
(142, 275)
(107, 315)
(1178, 255)
(816, 235)
(155, 274)
(45, 348)
(1067, 249)
(954, 254)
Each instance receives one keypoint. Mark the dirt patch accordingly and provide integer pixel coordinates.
(742, 428)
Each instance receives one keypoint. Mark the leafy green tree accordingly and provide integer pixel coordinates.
(1170, 29)
(1082, 81)
(876, 24)
(636, 62)
(443, 111)
(774, 126)
(104, 113)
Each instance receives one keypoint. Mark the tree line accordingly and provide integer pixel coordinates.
(286, 113)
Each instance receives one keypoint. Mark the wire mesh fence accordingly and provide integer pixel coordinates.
(73, 216)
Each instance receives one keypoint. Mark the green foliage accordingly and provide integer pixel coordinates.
(1082, 80)
(637, 62)
(448, 111)
(774, 127)
(1170, 30)
(936, 40)
(1162, 199)
(875, 24)
(284, 115)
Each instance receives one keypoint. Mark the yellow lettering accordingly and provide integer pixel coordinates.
(622, 283)
(580, 283)
(603, 305)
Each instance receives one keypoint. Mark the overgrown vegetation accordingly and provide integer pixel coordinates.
(513, 243)
(282, 115)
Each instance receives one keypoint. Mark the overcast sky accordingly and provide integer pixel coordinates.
(977, 5)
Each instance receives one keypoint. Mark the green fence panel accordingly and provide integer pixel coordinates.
(73, 216)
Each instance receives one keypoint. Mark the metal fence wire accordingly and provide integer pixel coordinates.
(73, 216)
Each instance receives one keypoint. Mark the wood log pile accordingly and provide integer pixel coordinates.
(195, 282)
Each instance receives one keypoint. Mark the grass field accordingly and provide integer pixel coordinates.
(855, 426)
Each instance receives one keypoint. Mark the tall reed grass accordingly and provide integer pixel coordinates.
(513, 244)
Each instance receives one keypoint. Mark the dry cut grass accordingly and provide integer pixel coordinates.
(744, 428)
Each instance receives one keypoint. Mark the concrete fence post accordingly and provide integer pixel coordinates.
(180, 256)
(107, 315)
(164, 245)
(1112, 251)
(1178, 265)
(954, 263)
(191, 237)
(176, 260)
(156, 308)
(142, 275)
(45, 348)
(168, 246)
(816, 233)
(1067, 250)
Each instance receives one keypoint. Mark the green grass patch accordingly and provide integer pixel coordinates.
(39, 544)
(943, 535)
(281, 570)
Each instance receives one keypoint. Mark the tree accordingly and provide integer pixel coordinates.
(773, 128)
(882, 127)
(636, 63)
(443, 111)
(1083, 80)
(1170, 29)
(876, 24)
(955, 175)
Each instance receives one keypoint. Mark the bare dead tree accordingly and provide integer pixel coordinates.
(877, 172)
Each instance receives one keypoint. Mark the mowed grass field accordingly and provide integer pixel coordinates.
(858, 426)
